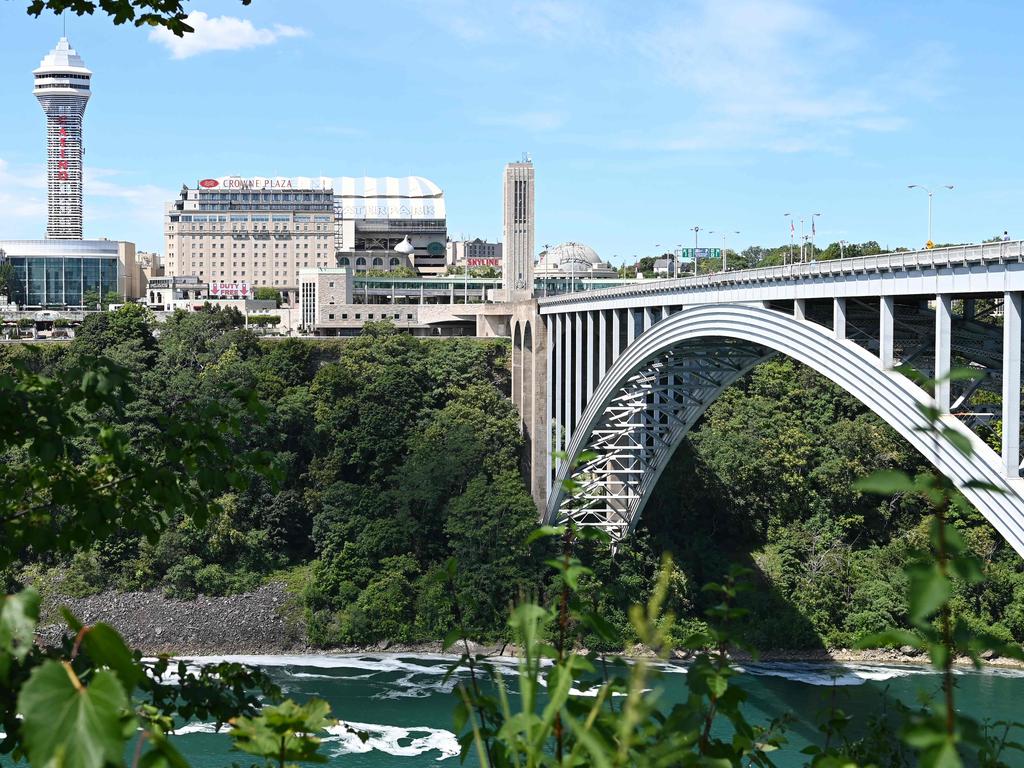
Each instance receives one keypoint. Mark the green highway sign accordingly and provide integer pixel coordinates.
(702, 253)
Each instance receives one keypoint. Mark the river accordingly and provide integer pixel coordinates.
(404, 703)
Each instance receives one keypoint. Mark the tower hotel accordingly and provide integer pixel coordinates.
(65, 270)
(262, 231)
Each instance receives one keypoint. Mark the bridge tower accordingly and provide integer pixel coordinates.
(517, 261)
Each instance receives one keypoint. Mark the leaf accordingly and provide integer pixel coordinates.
(945, 757)
(886, 482)
(19, 614)
(73, 725)
(929, 589)
(544, 531)
(106, 647)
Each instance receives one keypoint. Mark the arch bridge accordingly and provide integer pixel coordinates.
(620, 375)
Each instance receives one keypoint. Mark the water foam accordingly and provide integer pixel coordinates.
(391, 739)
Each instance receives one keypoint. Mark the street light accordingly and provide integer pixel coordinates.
(921, 186)
(724, 233)
(842, 251)
(696, 232)
(792, 229)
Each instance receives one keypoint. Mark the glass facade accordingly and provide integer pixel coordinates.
(60, 273)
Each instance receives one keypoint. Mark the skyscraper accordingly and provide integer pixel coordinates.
(517, 266)
(62, 89)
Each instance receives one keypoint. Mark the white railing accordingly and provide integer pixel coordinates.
(900, 261)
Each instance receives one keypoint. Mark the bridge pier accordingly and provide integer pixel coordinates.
(943, 349)
(839, 318)
(885, 331)
(1011, 382)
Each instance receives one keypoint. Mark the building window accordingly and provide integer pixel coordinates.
(360, 262)
(408, 317)
(344, 315)
(330, 317)
(330, 284)
(378, 261)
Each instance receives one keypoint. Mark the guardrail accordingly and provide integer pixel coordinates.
(898, 261)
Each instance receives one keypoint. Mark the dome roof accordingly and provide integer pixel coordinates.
(405, 246)
(572, 259)
(569, 256)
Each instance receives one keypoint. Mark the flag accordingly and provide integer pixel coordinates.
(813, 233)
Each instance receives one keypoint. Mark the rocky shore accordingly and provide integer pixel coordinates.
(268, 621)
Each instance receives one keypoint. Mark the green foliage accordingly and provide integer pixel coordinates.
(266, 293)
(283, 732)
(264, 319)
(73, 724)
(170, 14)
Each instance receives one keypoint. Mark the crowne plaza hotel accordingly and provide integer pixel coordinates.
(262, 231)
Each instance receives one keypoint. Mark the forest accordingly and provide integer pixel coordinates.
(392, 454)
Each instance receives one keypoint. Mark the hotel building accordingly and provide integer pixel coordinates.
(262, 231)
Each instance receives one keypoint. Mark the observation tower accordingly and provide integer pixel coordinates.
(62, 89)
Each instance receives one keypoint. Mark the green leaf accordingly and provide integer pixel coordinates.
(74, 726)
(284, 732)
(544, 531)
(106, 647)
(944, 757)
(929, 589)
(19, 614)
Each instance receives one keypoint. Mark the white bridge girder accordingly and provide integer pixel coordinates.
(643, 405)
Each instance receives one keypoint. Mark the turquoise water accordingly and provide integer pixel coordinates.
(405, 705)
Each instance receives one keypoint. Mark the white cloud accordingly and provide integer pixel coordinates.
(113, 207)
(781, 75)
(220, 33)
(22, 201)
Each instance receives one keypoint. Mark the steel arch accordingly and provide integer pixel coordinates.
(650, 398)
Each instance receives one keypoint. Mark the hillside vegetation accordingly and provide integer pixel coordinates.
(393, 454)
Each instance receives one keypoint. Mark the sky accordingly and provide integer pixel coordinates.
(643, 120)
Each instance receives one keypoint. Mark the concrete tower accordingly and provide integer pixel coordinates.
(62, 88)
(517, 247)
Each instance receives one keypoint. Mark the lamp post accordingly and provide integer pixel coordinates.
(696, 233)
(930, 193)
(842, 249)
(792, 229)
(724, 234)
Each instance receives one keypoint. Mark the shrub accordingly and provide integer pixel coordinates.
(264, 319)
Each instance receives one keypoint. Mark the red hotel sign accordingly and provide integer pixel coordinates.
(207, 183)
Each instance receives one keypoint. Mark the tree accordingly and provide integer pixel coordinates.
(266, 293)
(169, 14)
(6, 278)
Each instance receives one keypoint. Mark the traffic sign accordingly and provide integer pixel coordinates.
(686, 254)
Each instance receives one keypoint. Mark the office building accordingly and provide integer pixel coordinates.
(62, 89)
(520, 218)
(474, 253)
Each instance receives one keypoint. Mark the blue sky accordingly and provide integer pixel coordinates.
(642, 124)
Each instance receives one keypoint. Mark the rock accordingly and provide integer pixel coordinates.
(989, 655)
(909, 650)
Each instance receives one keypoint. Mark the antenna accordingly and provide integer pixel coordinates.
(64, 19)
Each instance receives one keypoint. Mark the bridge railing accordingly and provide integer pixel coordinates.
(897, 261)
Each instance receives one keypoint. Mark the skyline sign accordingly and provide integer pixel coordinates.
(479, 261)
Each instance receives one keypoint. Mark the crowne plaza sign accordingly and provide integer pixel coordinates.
(255, 182)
